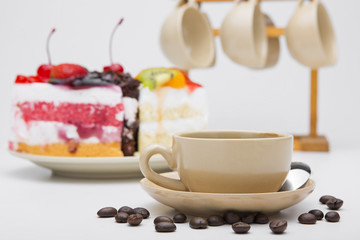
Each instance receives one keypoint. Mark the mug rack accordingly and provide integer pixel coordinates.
(312, 141)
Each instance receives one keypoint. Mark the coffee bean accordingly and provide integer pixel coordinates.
(278, 226)
(216, 220)
(179, 218)
(107, 212)
(144, 212)
(127, 210)
(198, 223)
(332, 217)
(162, 219)
(241, 227)
(307, 218)
(135, 219)
(165, 227)
(326, 198)
(250, 218)
(121, 217)
(231, 217)
(335, 204)
(261, 218)
(317, 213)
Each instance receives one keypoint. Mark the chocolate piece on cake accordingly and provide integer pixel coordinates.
(130, 89)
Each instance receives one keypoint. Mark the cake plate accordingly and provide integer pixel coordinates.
(93, 167)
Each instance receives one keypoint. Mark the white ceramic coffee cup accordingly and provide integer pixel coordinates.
(310, 36)
(223, 161)
(243, 34)
(186, 37)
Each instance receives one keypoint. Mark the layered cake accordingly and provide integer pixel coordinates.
(169, 102)
(71, 112)
(68, 111)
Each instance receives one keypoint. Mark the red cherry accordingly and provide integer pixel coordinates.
(36, 79)
(68, 71)
(44, 71)
(114, 67)
(22, 79)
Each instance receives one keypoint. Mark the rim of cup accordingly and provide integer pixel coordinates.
(214, 135)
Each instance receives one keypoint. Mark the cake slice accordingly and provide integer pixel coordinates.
(75, 113)
(169, 102)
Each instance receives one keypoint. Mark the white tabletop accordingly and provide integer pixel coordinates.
(36, 205)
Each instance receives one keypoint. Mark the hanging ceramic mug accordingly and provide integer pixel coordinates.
(310, 36)
(273, 46)
(186, 37)
(243, 34)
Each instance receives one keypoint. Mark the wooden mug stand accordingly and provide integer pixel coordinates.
(312, 141)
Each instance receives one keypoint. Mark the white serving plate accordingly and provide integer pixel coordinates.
(93, 167)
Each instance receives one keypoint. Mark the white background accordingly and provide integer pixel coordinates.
(276, 99)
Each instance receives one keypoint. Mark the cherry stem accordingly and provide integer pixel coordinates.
(47, 45)
(111, 39)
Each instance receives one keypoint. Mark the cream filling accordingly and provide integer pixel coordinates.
(47, 132)
(175, 98)
(172, 127)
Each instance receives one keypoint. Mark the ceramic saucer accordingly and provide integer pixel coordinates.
(93, 167)
(205, 204)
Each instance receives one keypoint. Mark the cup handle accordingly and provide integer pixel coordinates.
(300, 165)
(150, 174)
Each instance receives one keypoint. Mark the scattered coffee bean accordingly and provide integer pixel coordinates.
(216, 220)
(335, 203)
(261, 218)
(307, 218)
(241, 227)
(162, 219)
(107, 212)
(317, 213)
(278, 226)
(326, 198)
(332, 217)
(127, 210)
(135, 219)
(250, 218)
(144, 212)
(121, 217)
(165, 227)
(231, 217)
(198, 223)
(179, 218)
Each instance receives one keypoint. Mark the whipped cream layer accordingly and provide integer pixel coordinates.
(42, 92)
(171, 104)
(130, 109)
(173, 126)
(47, 132)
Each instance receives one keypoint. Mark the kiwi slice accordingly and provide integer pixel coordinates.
(155, 77)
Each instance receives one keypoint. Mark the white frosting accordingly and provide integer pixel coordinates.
(175, 98)
(147, 96)
(130, 109)
(47, 132)
(174, 126)
(34, 92)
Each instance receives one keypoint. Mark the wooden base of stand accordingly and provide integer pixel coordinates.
(311, 143)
